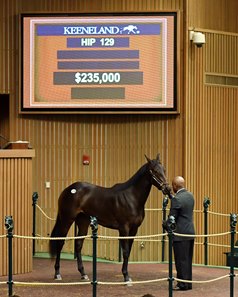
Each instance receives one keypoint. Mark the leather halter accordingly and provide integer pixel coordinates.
(159, 182)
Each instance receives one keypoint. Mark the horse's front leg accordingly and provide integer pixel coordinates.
(126, 245)
(126, 248)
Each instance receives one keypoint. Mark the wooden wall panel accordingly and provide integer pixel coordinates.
(211, 134)
(15, 193)
(225, 60)
(200, 143)
(220, 15)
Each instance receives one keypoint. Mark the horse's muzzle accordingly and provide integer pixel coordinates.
(166, 189)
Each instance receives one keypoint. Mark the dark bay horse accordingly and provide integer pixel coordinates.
(120, 207)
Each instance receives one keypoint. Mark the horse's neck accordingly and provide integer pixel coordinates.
(144, 193)
(141, 183)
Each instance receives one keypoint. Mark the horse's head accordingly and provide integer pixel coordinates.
(157, 173)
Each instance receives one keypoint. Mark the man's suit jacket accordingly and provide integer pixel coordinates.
(182, 206)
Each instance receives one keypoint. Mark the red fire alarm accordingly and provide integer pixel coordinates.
(86, 160)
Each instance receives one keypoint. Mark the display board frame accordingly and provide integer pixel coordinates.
(148, 63)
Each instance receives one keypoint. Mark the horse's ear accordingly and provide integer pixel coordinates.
(148, 159)
(158, 157)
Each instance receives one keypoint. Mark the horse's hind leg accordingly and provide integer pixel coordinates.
(57, 260)
(82, 222)
(60, 230)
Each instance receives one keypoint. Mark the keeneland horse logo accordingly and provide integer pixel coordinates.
(130, 29)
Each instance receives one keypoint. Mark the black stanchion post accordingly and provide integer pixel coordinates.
(171, 226)
(233, 222)
(206, 203)
(94, 226)
(165, 203)
(34, 202)
(9, 228)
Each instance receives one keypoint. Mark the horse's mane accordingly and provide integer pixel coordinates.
(132, 180)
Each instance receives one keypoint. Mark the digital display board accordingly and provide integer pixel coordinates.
(121, 62)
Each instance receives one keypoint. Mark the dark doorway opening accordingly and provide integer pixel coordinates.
(4, 119)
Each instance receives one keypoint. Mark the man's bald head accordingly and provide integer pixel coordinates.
(178, 183)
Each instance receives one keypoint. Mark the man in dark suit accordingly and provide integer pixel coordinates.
(182, 205)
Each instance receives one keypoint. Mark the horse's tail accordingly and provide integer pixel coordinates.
(54, 244)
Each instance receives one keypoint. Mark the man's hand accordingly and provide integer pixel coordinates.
(167, 189)
(170, 196)
(164, 225)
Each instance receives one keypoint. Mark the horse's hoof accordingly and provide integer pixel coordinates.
(129, 282)
(85, 277)
(58, 277)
